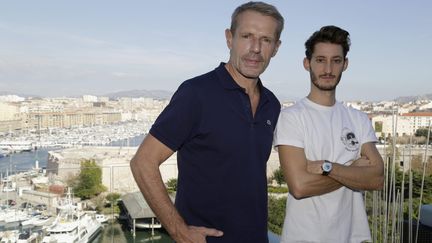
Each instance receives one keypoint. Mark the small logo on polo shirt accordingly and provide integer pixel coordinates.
(269, 122)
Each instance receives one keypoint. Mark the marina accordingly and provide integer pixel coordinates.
(23, 220)
(52, 138)
(30, 194)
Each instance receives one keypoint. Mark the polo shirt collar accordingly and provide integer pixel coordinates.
(228, 82)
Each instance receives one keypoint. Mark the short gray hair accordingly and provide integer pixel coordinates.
(262, 8)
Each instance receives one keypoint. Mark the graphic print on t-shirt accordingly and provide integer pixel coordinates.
(349, 139)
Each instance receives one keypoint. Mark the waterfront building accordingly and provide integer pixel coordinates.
(89, 98)
(36, 114)
(8, 111)
(384, 125)
(10, 126)
(103, 99)
(51, 200)
(9, 117)
(355, 104)
(419, 119)
(69, 119)
(114, 161)
(138, 213)
(427, 105)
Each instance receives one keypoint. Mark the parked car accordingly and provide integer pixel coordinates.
(10, 202)
(26, 205)
(41, 207)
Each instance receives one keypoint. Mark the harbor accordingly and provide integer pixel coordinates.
(42, 227)
(35, 209)
(35, 182)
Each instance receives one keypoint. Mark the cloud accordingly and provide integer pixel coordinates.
(41, 60)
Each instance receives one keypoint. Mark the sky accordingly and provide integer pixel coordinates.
(67, 48)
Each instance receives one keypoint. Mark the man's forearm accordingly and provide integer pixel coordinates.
(314, 184)
(306, 184)
(358, 177)
(301, 181)
(318, 185)
(145, 169)
(366, 173)
(361, 174)
(150, 182)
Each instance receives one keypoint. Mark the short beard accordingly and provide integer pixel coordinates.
(314, 80)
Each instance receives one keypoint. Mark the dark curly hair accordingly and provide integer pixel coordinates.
(328, 34)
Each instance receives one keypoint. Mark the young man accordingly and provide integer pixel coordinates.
(327, 152)
(221, 125)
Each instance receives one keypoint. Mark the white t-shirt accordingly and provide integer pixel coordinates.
(326, 133)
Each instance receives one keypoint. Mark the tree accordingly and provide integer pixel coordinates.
(423, 132)
(112, 197)
(417, 176)
(89, 180)
(276, 214)
(418, 165)
(172, 185)
(278, 176)
(98, 203)
(378, 126)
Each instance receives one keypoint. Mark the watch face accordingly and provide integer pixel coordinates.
(327, 167)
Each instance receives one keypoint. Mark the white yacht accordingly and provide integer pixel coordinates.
(38, 220)
(8, 185)
(101, 218)
(17, 216)
(72, 225)
(16, 146)
(9, 215)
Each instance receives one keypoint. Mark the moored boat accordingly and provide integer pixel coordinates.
(72, 225)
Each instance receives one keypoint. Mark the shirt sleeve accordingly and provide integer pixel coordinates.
(289, 130)
(369, 132)
(179, 120)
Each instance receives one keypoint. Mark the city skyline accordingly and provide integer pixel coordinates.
(54, 48)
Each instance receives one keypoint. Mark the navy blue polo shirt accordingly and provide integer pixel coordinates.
(222, 152)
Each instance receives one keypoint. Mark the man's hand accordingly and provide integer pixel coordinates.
(195, 234)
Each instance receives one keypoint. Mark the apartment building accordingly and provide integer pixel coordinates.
(419, 119)
(9, 117)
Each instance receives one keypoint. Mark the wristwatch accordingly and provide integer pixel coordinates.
(326, 167)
